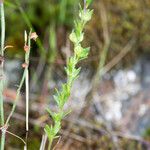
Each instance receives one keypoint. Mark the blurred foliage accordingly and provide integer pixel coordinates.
(127, 19)
(52, 19)
(146, 134)
(41, 15)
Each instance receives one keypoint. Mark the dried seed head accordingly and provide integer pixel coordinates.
(33, 36)
(26, 48)
(24, 65)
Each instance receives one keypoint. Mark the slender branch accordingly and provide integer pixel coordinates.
(27, 82)
(27, 99)
(17, 98)
(43, 143)
(25, 78)
(2, 28)
(1, 73)
(18, 137)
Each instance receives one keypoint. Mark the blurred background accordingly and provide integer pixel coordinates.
(110, 101)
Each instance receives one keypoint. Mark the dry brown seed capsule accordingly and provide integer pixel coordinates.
(33, 36)
(24, 65)
(26, 48)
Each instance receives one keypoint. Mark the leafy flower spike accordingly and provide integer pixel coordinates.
(61, 97)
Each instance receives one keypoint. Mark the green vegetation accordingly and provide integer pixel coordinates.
(80, 53)
(113, 29)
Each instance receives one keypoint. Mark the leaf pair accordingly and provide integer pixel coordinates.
(61, 97)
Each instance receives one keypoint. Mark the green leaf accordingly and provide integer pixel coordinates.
(81, 53)
(78, 26)
(56, 98)
(66, 113)
(49, 111)
(85, 52)
(76, 37)
(57, 116)
(75, 74)
(49, 131)
(57, 127)
(86, 15)
(73, 37)
(78, 50)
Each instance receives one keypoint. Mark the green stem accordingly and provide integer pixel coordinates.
(27, 99)
(1, 74)
(61, 97)
(49, 145)
(1, 102)
(27, 82)
(17, 98)
(2, 28)
(2, 141)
